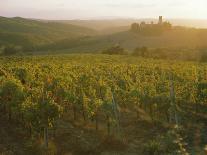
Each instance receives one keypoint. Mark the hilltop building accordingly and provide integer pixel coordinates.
(151, 28)
(160, 20)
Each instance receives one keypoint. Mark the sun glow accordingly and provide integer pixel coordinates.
(86, 9)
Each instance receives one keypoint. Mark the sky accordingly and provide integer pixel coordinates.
(92, 9)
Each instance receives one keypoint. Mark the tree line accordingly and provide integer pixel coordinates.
(187, 54)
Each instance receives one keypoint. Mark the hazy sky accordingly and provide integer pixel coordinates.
(86, 9)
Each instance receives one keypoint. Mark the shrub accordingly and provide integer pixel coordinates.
(12, 50)
(203, 55)
(141, 51)
(153, 148)
(115, 50)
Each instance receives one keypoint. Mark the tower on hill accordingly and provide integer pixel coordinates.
(160, 20)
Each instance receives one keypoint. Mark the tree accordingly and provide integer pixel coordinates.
(167, 25)
(48, 111)
(141, 51)
(135, 27)
(203, 55)
(22, 75)
(11, 50)
(160, 53)
(117, 49)
(12, 96)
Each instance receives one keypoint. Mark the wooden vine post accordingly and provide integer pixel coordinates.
(116, 115)
(173, 109)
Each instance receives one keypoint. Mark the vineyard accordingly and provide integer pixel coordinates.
(38, 92)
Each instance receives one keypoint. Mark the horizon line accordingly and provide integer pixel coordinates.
(105, 18)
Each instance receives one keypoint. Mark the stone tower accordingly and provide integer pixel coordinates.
(160, 20)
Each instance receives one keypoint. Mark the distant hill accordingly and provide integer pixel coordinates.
(31, 33)
(110, 26)
(91, 36)
(100, 25)
(178, 37)
(123, 23)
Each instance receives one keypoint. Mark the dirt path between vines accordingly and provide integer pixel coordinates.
(80, 138)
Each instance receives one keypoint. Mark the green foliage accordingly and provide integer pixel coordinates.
(135, 27)
(153, 148)
(184, 54)
(11, 50)
(12, 92)
(115, 50)
(150, 29)
(41, 88)
(203, 55)
(55, 37)
(22, 75)
(31, 34)
(47, 112)
(11, 96)
(141, 51)
(169, 143)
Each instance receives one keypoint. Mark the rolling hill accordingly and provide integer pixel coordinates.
(175, 38)
(90, 36)
(121, 24)
(31, 33)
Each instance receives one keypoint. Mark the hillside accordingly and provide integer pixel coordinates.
(90, 36)
(103, 24)
(31, 33)
(176, 38)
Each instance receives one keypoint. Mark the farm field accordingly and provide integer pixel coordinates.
(103, 77)
(102, 104)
